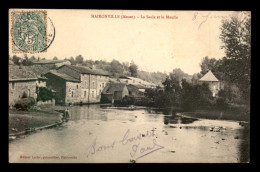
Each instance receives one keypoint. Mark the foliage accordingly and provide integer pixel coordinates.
(236, 38)
(26, 61)
(116, 68)
(32, 58)
(133, 69)
(25, 103)
(178, 75)
(207, 64)
(72, 61)
(16, 60)
(44, 94)
(55, 58)
(195, 78)
(194, 96)
(221, 103)
(79, 59)
(154, 77)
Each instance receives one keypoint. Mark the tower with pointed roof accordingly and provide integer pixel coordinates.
(212, 81)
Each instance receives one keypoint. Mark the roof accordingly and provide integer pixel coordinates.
(124, 77)
(40, 69)
(138, 86)
(100, 72)
(62, 76)
(87, 70)
(49, 61)
(22, 73)
(112, 87)
(209, 77)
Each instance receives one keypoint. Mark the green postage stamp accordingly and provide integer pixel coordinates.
(29, 31)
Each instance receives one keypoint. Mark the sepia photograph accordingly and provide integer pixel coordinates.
(129, 86)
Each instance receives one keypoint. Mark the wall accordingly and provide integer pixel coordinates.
(73, 93)
(16, 90)
(59, 85)
(102, 81)
(214, 88)
(91, 87)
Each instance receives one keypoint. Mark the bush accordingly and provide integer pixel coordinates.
(44, 94)
(222, 94)
(25, 103)
(221, 103)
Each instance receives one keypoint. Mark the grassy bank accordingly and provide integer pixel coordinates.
(231, 113)
(19, 121)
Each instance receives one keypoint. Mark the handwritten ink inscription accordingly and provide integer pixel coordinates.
(203, 18)
(138, 148)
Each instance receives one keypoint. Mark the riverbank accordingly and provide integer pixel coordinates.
(21, 122)
(231, 113)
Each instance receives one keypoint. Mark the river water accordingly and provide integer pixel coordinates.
(103, 134)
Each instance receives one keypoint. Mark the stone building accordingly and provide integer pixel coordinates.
(136, 90)
(114, 92)
(23, 82)
(77, 84)
(136, 81)
(213, 83)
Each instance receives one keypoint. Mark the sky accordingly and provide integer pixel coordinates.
(154, 44)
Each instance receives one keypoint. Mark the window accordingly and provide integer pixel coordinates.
(12, 85)
(85, 94)
(77, 86)
(85, 84)
(126, 81)
(29, 93)
(93, 94)
(102, 85)
(93, 84)
(72, 94)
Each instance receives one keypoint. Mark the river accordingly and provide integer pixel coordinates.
(102, 134)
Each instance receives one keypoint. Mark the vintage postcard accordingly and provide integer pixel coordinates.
(129, 86)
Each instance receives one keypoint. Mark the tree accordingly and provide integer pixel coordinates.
(116, 68)
(79, 59)
(55, 58)
(16, 60)
(32, 58)
(207, 64)
(26, 61)
(236, 38)
(195, 78)
(178, 74)
(72, 61)
(133, 69)
(194, 96)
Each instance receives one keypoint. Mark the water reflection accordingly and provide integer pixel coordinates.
(184, 139)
